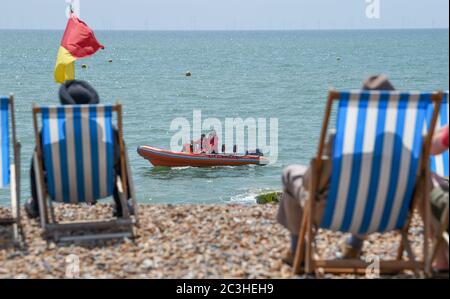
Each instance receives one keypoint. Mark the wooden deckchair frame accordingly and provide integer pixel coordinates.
(56, 231)
(14, 220)
(307, 231)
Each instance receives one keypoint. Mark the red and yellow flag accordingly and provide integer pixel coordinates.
(78, 42)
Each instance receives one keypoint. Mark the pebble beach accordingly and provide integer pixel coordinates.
(182, 241)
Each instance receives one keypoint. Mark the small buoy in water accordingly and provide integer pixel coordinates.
(84, 66)
(110, 60)
(338, 59)
(188, 74)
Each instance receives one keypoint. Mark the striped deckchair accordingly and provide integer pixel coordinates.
(10, 168)
(439, 166)
(76, 149)
(377, 163)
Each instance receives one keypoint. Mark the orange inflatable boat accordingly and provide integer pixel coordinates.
(161, 157)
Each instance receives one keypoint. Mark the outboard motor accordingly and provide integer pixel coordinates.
(257, 152)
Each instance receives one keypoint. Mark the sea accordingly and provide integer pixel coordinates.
(282, 75)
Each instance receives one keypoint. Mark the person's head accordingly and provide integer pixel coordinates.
(77, 92)
(377, 82)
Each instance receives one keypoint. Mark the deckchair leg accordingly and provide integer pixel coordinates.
(15, 204)
(15, 178)
(309, 267)
(404, 234)
(427, 221)
(131, 188)
(401, 246)
(309, 253)
(305, 233)
(51, 211)
(17, 151)
(400, 251)
(123, 200)
(40, 193)
(300, 250)
(411, 254)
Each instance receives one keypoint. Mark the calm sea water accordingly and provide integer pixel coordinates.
(284, 75)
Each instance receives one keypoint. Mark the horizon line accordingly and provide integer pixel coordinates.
(239, 30)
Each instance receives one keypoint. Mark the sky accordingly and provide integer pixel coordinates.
(228, 14)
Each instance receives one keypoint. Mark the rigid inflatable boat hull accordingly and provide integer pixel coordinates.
(161, 157)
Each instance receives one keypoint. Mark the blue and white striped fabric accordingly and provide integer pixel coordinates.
(78, 149)
(375, 160)
(4, 142)
(439, 164)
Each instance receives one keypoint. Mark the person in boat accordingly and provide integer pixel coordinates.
(212, 145)
(196, 146)
(205, 145)
(77, 92)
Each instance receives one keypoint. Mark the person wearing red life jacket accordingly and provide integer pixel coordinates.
(213, 142)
